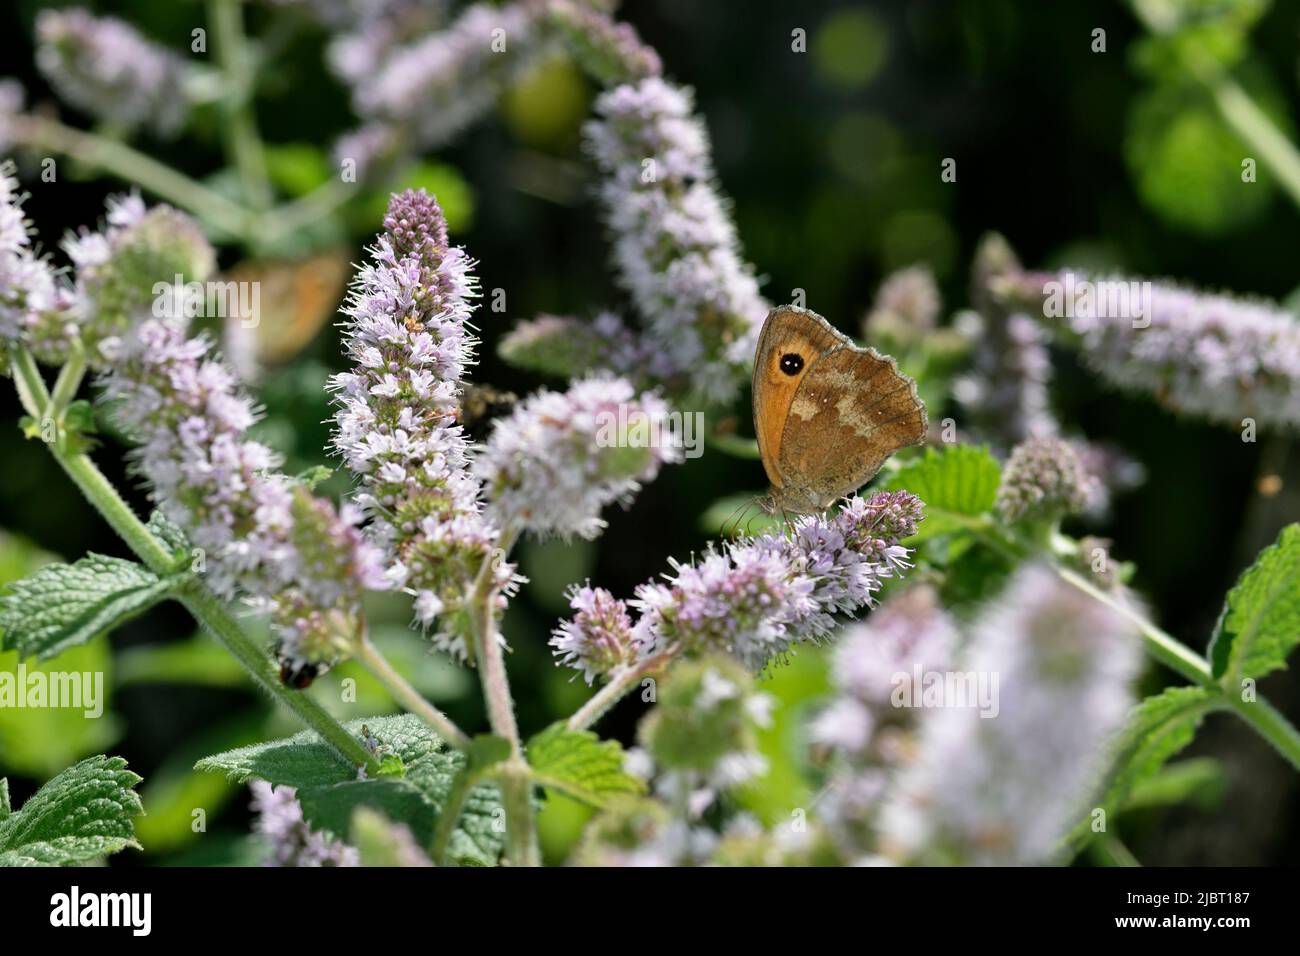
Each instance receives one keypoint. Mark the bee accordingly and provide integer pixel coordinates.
(480, 405)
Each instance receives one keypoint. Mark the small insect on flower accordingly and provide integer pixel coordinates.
(298, 674)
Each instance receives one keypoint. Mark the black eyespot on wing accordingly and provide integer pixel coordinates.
(792, 363)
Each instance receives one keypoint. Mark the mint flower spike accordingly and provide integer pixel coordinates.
(1006, 391)
(675, 246)
(560, 457)
(120, 268)
(755, 598)
(406, 332)
(436, 86)
(1222, 358)
(863, 726)
(1044, 480)
(1004, 789)
(610, 51)
(263, 535)
(35, 302)
(106, 67)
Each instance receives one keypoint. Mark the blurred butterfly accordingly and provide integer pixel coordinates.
(293, 300)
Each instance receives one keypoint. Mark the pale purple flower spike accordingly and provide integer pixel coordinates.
(396, 424)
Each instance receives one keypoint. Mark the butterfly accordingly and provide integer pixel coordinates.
(826, 412)
(295, 299)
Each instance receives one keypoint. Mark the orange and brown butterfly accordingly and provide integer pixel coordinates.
(296, 298)
(826, 412)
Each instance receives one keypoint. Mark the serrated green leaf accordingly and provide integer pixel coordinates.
(581, 765)
(1260, 623)
(62, 605)
(304, 761)
(171, 535)
(1157, 729)
(5, 807)
(331, 807)
(84, 813)
(959, 481)
(485, 752)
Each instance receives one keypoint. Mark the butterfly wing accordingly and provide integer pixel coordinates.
(788, 331)
(851, 410)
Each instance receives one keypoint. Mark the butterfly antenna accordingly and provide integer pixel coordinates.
(737, 514)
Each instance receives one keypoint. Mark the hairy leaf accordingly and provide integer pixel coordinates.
(171, 535)
(959, 480)
(1157, 729)
(329, 790)
(82, 814)
(1260, 623)
(62, 605)
(581, 765)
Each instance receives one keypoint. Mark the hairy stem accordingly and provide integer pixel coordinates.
(616, 688)
(124, 162)
(202, 603)
(1262, 716)
(516, 785)
(243, 142)
(408, 696)
(1234, 104)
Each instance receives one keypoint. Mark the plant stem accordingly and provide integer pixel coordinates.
(1270, 724)
(1262, 716)
(243, 142)
(305, 210)
(408, 696)
(1109, 850)
(1234, 104)
(69, 380)
(614, 690)
(200, 602)
(516, 783)
(212, 614)
(1163, 647)
(129, 164)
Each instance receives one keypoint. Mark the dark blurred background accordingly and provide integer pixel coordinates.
(832, 160)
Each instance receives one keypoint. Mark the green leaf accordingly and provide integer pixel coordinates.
(82, 814)
(171, 535)
(957, 481)
(485, 752)
(63, 605)
(1157, 729)
(331, 808)
(1260, 623)
(581, 765)
(5, 807)
(329, 791)
(79, 427)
